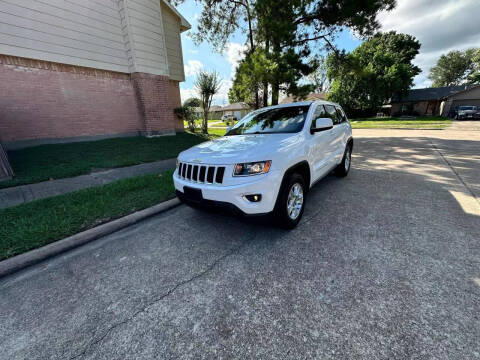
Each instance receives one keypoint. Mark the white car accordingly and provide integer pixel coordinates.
(268, 161)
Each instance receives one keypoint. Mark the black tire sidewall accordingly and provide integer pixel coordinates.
(280, 213)
(340, 170)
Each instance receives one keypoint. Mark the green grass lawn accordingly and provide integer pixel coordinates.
(57, 161)
(395, 123)
(32, 225)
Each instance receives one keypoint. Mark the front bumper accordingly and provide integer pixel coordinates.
(217, 194)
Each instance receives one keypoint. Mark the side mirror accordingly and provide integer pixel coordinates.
(321, 124)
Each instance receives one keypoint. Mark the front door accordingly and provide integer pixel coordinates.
(320, 149)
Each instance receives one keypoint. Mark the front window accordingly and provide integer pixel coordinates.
(272, 121)
(466, 108)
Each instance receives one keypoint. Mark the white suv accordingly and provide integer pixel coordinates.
(268, 161)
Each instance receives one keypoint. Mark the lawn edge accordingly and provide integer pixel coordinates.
(32, 257)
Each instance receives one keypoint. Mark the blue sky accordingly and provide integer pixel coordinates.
(439, 25)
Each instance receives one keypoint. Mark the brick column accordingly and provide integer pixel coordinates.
(153, 103)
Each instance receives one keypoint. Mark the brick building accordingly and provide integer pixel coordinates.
(75, 70)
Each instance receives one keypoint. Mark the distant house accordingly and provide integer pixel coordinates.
(435, 101)
(215, 112)
(309, 97)
(239, 110)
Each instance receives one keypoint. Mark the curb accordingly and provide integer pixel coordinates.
(35, 256)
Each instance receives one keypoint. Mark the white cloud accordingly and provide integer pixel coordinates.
(235, 53)
(221, 98)
(187, 94)
(192, 67)
(440, 26)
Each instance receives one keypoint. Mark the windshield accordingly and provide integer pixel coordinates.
(272, 121)
(467, 108)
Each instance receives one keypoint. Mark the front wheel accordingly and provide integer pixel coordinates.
(291, 202)
(344, 167)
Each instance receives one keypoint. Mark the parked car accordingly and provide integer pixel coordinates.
(466, 112)
(268, 161)
(229, 117)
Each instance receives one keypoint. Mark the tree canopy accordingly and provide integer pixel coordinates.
(454, 68)
(286, 33)
(367, 77)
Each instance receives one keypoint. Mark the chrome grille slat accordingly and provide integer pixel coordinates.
(206, 174)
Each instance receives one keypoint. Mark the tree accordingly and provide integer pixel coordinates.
(319, 77)
(252, 74)
(368, 77)
(287, 32)
(474, 76)
(186, 112)
(453, 68)
(207, 85)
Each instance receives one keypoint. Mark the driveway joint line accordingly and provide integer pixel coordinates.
(454, 171)
(203, 273)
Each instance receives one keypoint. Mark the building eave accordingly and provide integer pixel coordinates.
(184, 24)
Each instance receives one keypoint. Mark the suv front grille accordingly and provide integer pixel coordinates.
(206, 174)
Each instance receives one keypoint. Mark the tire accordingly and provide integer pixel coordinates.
(344, 167)
(290, 191)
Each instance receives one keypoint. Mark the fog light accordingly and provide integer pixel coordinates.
(254, 198)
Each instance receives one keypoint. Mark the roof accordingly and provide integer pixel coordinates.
(301, 103)
(236, 106)
(430, 93)
(215, 108)
(184, 24)
(309, 97)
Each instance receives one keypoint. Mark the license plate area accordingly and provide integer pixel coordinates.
(193, 194)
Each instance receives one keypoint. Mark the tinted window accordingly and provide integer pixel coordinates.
(279, 120)
(341, 115)
(332, 114)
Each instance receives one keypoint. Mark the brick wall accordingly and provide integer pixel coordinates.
(175, 101)
(43, 100)
(153, 104)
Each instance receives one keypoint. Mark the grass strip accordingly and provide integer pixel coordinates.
(32, 225)
(58, 161)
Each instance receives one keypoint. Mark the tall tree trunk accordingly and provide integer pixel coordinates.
(275, 92)
(265, 93)
(206, 108)
(252, 47)
(265, 82)
(276, 84)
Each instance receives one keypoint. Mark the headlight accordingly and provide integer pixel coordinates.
(253, 168)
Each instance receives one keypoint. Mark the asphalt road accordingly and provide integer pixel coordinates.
(385, 264)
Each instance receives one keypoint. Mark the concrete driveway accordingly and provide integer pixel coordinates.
(385, 264)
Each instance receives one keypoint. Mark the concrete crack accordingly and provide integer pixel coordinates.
(162, 297)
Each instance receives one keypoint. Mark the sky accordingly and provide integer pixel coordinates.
(439, 25)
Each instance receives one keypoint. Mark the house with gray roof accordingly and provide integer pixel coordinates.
(435, 101)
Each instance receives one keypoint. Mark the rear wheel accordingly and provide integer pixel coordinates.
(344, 167)
(290, 202)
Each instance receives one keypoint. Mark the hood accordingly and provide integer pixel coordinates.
(239, 148)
